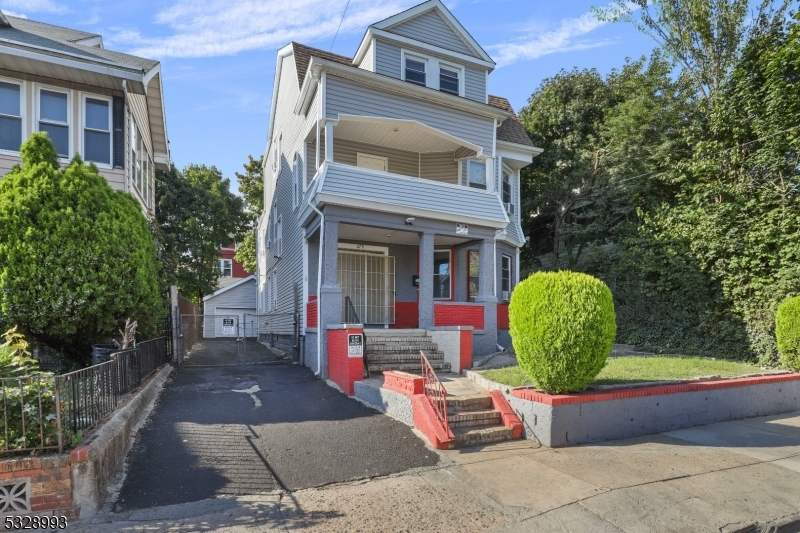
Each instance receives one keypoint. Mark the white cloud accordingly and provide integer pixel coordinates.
(566, 37)
(34, 6)
(14, 14)
(203, 28)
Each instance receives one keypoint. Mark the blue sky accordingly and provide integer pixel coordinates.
(219, 55)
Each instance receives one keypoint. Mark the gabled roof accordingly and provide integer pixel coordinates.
(511, 130)
(439, 8)
(302, 56)
(227, 288)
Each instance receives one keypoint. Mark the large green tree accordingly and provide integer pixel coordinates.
(251, 185)
(197, 214)
(76, 258)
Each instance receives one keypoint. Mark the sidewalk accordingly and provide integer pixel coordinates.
(723, 478)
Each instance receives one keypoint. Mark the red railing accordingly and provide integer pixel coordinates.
(434, 390)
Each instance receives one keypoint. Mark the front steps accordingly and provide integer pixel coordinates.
(398, 349)
(474, 421)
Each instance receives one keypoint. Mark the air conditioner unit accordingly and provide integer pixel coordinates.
(509, 208)
(505, 296)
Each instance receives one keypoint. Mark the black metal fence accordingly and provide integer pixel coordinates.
(49, 412)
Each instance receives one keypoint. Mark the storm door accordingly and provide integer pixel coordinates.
(367, 282)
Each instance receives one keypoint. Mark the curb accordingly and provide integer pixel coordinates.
(790, 524)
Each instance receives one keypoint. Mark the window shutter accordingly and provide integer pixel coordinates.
(118, 116)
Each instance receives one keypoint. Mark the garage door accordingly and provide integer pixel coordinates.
(243, 320)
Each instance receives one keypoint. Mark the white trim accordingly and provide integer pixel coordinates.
(451, 253)
(433, 66)
(462, 82)
(515, 147)
(363, 248)
(37, 91)
(222, 262)
(82, 128)
(96, 65)
(510, 276)
(304, 324)
(400, 40)
(283, 53)
(229, 287)
(23, 115)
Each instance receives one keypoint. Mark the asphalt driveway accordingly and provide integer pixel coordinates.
(287, 431)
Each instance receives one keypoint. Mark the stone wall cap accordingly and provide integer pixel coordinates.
(344, 326)
(452, 328)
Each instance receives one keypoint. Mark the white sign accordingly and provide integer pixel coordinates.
(462, 229)
(227, 326)
(355, 346)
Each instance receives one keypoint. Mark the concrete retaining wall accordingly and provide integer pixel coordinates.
(395, 404)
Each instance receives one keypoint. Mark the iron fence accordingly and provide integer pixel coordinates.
(47, 412)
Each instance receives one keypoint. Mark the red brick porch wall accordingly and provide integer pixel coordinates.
(458, 315)
(343, 369)
(502, 316)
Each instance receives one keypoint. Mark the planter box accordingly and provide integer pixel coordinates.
(569, 419)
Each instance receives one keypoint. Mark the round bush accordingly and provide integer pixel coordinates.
(563, 327)
(787, 331)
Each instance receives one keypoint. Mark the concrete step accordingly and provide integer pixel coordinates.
(412, 368)
(469, 436)
(402, 357)
(401, 348)
(483, 417)
(471, 402)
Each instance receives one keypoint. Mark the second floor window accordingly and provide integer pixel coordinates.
(506, 186)
(448, 80)
(97, 131)
(226, 268)
(54, 119)
(505, 278)
(10, 116)
(415, 71)
(477, 174)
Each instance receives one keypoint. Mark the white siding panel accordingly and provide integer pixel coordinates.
(368, 62)
(346, 97)
(431, 28)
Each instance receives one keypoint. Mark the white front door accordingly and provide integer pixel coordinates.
(374, 162)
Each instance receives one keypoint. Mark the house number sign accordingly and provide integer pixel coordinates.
(227, 326)
(355, 346)
(462, 229)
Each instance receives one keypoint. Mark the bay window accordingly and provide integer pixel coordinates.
(10, 116)
(54, 119)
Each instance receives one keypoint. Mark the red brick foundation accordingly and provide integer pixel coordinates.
(50, 484)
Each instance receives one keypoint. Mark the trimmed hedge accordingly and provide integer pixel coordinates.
(563, 327)
(787, 331)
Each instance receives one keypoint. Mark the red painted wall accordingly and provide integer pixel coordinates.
(311, 312)
(342, 369)
(502, 316)
(238, 269)
(406, 315)
(458, 315)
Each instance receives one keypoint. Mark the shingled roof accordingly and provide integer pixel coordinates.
(302, 56)
(511, 130)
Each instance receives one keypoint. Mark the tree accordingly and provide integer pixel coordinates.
(76, 258)
(197, 214)
(251, 185)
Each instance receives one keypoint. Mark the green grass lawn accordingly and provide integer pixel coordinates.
(621, 370)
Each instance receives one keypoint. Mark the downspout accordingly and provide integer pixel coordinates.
(319, 285)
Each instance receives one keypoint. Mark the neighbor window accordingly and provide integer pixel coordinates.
(441, 275)
(477, 174)
(448, 80)
(97, 131)
(10, 116)
(506, 277)
(474, 261)
(415, 71)
(54, 119)
(226, 268)
(506, 186)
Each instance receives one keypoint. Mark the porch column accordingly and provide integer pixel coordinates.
(487, 343)
(426, 280)
(330, 293)
(486, 273)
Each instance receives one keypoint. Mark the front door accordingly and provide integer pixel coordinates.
(367, 282)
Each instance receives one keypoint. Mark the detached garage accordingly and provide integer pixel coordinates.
(230, 311)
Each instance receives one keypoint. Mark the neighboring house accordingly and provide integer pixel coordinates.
(228, 266)
(106, 106)
(392, 184)
(230, 311)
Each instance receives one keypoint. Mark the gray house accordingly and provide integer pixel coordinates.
(106, 106)
(391, 189)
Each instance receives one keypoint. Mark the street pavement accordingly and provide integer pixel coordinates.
(312, 460)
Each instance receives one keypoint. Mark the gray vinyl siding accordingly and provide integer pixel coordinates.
(432, 29)
(385, 188)
(475, 84)
(387, 59)
(346, 97)
(439, 166)
(137, 104)
(400, 161)
(368, 62)
(242, 298)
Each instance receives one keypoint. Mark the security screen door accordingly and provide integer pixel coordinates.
(368, 279)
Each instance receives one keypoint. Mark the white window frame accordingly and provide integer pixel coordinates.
(273, 304)
(432, 69)
(511, 173)
(451, 289)
(360, 156)
(503, 258)
(470, 162)
(222, 263)
(82, 139)
(37, 95)
(279, 236)
(22, 110)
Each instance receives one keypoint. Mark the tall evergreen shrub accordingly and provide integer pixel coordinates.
(787, 332)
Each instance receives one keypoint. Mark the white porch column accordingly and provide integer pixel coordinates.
(329, 141)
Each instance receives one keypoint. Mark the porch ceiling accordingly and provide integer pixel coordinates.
(352, 232)
(407, 135)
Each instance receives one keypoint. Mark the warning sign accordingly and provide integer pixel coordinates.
(228, 327)
(355, 346)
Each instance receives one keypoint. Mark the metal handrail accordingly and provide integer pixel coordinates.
(434, 390)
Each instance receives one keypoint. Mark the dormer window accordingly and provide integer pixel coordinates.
(448, 80)
(415, 71)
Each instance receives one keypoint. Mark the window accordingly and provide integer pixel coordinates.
(415, 71)
(448, 80)
(477, 174)
(272, 293)
(10, 116)
(506, 277)
(279, 237)
(473, 272)
(296, 170)
(54, 119)
(226, 268)
(441, 275)
(374, 162)
(97, 131)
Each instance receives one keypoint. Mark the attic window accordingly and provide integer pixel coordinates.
(415, 71)
(448, 80)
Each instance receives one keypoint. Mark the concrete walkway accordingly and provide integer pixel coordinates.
(725, 477)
